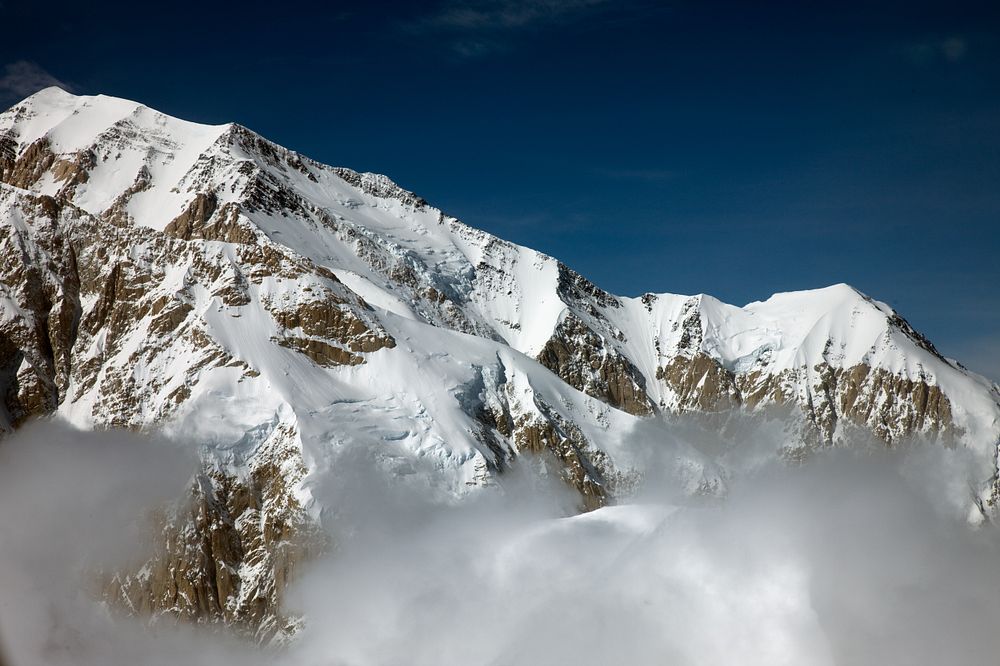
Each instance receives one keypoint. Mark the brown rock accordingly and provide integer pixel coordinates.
(587, 362)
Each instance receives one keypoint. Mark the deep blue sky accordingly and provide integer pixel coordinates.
(735, 149)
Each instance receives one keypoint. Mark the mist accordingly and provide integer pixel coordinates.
(858, 556)
(73, 503)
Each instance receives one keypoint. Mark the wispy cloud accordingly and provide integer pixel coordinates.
(478, 27)
(23, 78)
(952, 49)
(644, 175)
(508, 14)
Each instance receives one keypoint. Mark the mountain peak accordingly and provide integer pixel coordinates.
(48, 96)
(276, 311)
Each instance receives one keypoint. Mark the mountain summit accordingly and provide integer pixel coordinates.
(273, 311)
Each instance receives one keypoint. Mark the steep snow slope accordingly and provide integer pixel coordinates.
(277, 311)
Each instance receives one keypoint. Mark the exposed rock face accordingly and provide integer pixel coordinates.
(700, 383)
(192, 222)
(160, 274)
(890, 406)
(38, 276)
(378, 185)
(511, 428)
(26, 168)
(227, 553)
(323, 316)
(586, 361)
(73, 172)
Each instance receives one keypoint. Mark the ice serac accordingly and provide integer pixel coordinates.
(277, 312)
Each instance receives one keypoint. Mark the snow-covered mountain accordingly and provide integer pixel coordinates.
(273, 310)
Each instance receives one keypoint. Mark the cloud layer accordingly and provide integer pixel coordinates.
(479, 27)
(508, 14)
(856, 557)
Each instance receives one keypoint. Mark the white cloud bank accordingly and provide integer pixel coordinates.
(853, 558)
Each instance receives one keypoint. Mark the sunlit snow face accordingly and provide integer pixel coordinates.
(852, 558)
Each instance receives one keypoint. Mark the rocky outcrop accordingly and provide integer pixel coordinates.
(38, 278)
(377, 185)
(323, 316)
(204, 219)
(117, 213)
(588, 362)
(73, 171)
(26, 169)
(511, 429)
(565, 449)
(888, 405)
(573, 288)
(700, 384)
(191, 223)
(227, 552)
(320, 352)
